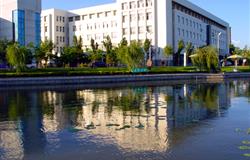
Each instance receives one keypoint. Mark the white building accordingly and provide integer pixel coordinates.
(162, 21)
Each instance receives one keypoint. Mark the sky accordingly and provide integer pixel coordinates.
(235, 12)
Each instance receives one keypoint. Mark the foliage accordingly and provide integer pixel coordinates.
(181, 46)
(189, 50)
(43, 52)
(146, 47)
(111, 57)
(206, 59)
(3, 46)
(16, 56)
(132, 55)
(168, 50)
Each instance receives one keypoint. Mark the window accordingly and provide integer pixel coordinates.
(63, 19)
(57, 28)
(60, 18)
(141, 30)
(71, 19)
(140, 17)
(124, 31)
(132, 18)
(45, 29)
(63, 29)
(63, 39)
(57, 18)
(179, 31)
(57, 40)
(149, 16)
(183, 20)
(60, 39)
(84, 17)
(124, 19)
(132, 5)
(179, 19)
(149, 29)
(45, 18)
(77, 18)
(183, 32)
(187, 22)
(74, 28)
(187, 33)
(132, 30)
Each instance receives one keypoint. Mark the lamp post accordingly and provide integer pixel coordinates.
(218, 46)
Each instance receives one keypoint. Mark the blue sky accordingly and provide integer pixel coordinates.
(236, 12)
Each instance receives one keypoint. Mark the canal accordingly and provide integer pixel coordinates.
(159, 121)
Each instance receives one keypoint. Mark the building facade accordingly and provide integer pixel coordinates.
(20, 21)
(164, 22)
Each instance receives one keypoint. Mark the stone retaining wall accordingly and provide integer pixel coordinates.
(116, 79)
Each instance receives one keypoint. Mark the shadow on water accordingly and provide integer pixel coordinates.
(128, 119)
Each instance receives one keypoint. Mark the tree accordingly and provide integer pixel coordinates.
(95, 53)
(111, 57)
(146, 47)
(188, 49)
(132, 55)
(231, 49)
(3, 46)
(43, 52)
(168, 50)
(16, 56)
(181, 46)
(206, 59)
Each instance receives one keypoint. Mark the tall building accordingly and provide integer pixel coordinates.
(20, 21)
(164, 22)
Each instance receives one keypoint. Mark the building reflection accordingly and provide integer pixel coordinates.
(136, 119)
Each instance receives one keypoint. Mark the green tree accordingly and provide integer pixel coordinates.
(181, 46)
(132, 55)
(111, 58)
(189, 50)
(206, 59)
(168, 50)
(16, 57)
(146, 47)
(43, 52)
(3, 46)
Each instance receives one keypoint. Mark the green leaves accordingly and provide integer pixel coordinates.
(168, 50)
(206, 59)
(132, 55)
(16, 56)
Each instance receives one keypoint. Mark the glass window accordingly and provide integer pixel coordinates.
(18, 17)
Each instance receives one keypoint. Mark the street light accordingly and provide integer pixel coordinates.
(218, 46)
(218, 42)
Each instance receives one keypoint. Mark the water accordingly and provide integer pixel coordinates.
(163, 120)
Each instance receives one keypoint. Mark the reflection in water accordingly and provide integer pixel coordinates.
(135, 119)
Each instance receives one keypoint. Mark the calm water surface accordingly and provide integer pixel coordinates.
(194, 121)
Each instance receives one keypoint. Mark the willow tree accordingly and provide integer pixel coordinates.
(189, 50)
(181, 46)
(206, 59)
(132, 55)
(16, 56)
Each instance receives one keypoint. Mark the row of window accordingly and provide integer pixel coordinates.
(136, 4)
(134, 17)
(95, 26)
(92, 16)
(187, 22)
(141, 30)
(196, 15)
(60, 39)
(189, 34)
(60, 29)
(101, 36)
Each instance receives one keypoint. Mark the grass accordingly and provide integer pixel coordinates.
(90, 71)
(239, 68)
(48, 72)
